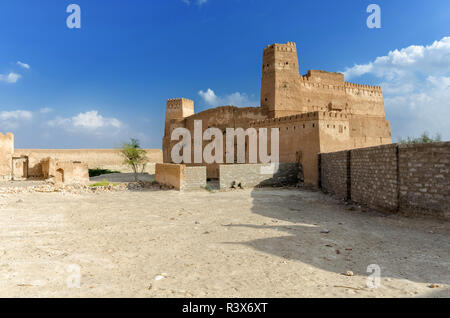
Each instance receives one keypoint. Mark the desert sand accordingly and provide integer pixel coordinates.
(243, 243)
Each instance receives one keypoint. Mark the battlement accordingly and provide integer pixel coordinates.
(288, 47)
(179, 108)
(311, 81)
(317, 115)
(7, 136)
(364, 87)
(179, 102)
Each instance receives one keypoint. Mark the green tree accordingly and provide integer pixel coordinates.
(424, 138)
(134, 156)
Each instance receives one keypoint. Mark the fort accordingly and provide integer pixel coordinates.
(316, 113)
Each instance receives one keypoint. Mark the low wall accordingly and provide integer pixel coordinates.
(195, 178)
(180, 177)
(95, 158)
(373, 179)
(424, 178)
(413, 179)
(68, 172)
(334, 170)
(249, 175)
(169, 174)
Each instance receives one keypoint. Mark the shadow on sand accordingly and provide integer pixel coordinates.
(326, 233)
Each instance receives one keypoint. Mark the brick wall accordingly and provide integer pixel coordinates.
(424, 178)
(413, 179)
(250, 175)
(334, 171)
(373, 176)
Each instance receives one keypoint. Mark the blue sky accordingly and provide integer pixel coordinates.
(108, 81)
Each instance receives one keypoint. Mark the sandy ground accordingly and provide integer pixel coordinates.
(245, 243)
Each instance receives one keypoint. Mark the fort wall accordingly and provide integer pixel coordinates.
(252, 175)
(411, 179)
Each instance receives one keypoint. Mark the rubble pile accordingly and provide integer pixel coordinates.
(51, 187)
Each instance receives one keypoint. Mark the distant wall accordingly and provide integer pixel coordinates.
(250, 175)
(413, 179)
(6, 153)
(95, 158)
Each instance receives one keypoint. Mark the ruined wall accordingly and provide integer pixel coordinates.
(170, 174)
(425, 179)
(334, 173)
(413, 179)
(252, 175)
(68, 172)
(95, 158)
(6, 154)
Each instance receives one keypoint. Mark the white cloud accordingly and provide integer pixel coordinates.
(197, 2)
(10, 78)
(88, 121)
(24, 65)
(432, 59)
(15, 114)
(12, 119)
(235, 99)
(45, 110)
(416, 87)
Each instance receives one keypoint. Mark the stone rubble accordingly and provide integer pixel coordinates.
(51, 187)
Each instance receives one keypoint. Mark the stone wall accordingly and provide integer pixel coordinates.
(424, 178)
(334, 171)
(412, 179)
(95, 158)
(252, 175)
(6, 154)
(373, 176)
(180, 177)
(195, 178)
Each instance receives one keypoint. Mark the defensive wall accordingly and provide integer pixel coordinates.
(411, 179)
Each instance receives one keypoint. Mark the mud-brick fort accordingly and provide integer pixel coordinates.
(316, 113)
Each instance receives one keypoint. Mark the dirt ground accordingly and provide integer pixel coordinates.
(244, 243)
